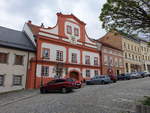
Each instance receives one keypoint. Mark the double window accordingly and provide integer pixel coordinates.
(46, 53)
(59, 55)
(18, 60)
(87, 60)
(96, 61)
(45, 71)
(1, 80)
(87, 73)
(69, 30)
(74, 58)
(17, 80)
(3, 57)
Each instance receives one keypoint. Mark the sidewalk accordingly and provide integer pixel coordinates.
(11, 97)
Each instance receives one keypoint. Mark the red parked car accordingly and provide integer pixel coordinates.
(78, 84)
(113, 78)
(63, 85)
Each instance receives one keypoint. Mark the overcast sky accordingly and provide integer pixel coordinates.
(14, 13)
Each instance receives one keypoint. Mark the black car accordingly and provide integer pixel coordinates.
(124, 77)
(142, 74)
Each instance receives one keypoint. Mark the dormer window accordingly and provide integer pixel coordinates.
(76, 31)
(69, 29)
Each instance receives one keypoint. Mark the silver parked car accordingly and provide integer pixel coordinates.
(102, 79)
(135, 75)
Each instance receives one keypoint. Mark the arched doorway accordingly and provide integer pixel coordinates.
(74, 75)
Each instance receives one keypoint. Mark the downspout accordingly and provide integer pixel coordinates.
(101, 62)
(27, 69)
(36, 62)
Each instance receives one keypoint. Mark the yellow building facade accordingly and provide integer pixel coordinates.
(136, 55)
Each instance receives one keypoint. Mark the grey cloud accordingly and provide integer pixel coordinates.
(45, 11)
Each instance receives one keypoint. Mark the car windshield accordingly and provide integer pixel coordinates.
(60, 80)
(70, 80)
(51, 82)
(102, 77)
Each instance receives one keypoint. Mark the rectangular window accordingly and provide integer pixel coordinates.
(74, 58)
(69, 29)
(46, 53)
(96, 61)
(45, 71)
(96, 72)
(116, 62)
(59, 55)
(1, 80)
(3, 57)
(17, 80)
(128, 46)
(105, 60)
(18, 60)
(87, 60)
(124, 45)
(87, 73)
(120, 62)
(76, 31)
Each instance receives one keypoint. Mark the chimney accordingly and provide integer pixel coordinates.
(42, 25)
(29, 21)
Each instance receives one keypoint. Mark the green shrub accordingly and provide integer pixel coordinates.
(146, 101)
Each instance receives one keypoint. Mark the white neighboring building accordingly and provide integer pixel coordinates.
(16, 51)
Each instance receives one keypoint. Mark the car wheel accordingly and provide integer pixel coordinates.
(102, 82)
(43, 91)
(64, 90)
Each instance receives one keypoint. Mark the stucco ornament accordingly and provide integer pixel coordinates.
(73, 39)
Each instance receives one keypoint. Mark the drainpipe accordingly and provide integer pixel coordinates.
(27, 69)
(36, 61)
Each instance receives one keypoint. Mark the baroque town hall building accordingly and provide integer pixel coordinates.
(62, 51)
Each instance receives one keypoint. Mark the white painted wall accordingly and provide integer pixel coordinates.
(73, 26)
(28, 31)
(92, 55)
(71, 69)
(88, 40)
(53, 48)
(48, 35)
(71, 50)
(10, 69)
(72, 20)
(51, 71)
(51, 30)
(91, 72)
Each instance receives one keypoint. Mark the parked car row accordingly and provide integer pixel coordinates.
(133, 75)
(65, 85)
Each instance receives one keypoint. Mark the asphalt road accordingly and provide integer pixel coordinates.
(119, 97)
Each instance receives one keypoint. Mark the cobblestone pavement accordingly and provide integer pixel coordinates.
(119, 97)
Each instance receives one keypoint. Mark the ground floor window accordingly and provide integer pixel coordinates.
(127, 68)
(17, 80)
(45, 71)
(1, 80)
(96, 72)
(87, 73)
